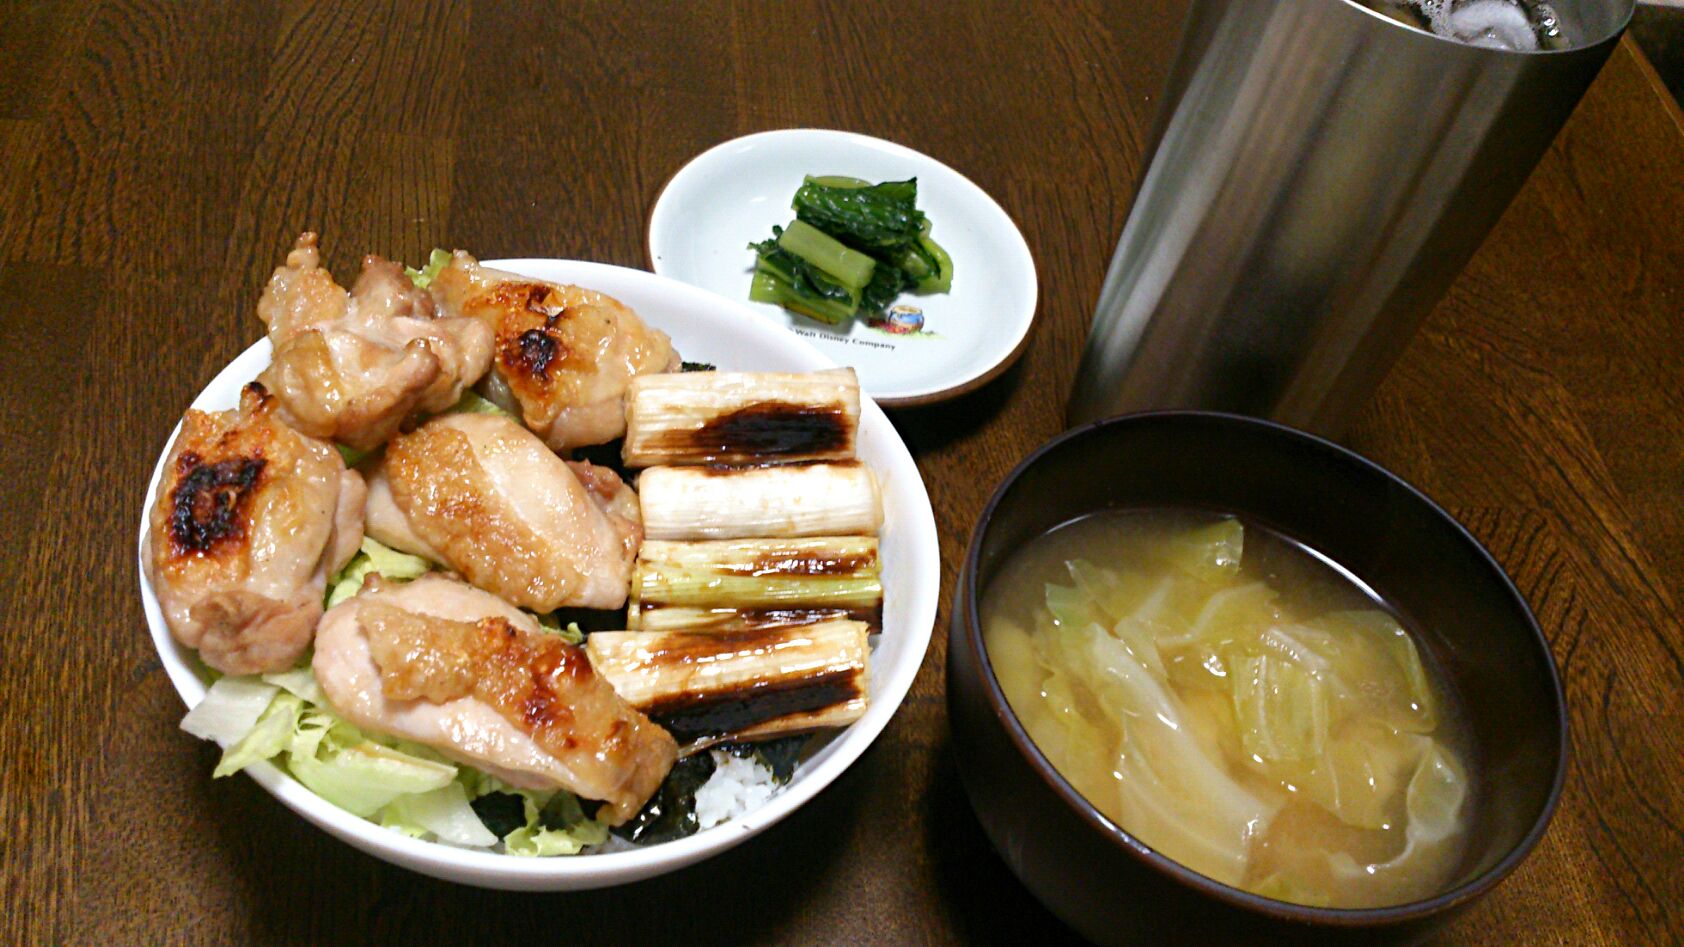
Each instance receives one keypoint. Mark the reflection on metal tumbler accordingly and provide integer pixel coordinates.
(1319, 174)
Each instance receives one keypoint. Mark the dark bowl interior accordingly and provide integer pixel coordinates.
(1465, 612)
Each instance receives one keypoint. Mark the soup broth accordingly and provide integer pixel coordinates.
(1237, 703)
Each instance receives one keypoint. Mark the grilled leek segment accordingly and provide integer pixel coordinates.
(836, 715)
(737, 584)
(738, 685)
(741, 417)
(832, 717)
(734, 503)
(714, 619)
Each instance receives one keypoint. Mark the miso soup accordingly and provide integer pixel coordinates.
(1235, 702)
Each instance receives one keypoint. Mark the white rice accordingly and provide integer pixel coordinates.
(737, 786)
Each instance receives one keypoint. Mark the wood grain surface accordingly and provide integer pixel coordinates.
(156, 156)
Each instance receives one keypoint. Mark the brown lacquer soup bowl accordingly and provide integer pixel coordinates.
(1465, 612)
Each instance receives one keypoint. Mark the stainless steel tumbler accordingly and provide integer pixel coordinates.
(1319, 175)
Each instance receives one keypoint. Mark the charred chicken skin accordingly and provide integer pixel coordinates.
(563, 355)
(458, 669)
(251, 517)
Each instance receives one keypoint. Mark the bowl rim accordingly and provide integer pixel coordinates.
(968, 610)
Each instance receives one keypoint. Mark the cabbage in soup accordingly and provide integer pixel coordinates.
(1234, 702)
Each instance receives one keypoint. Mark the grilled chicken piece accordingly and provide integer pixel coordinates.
(357, 366)
(483, 496)
(564, 355)
(460, 670)
(250, 520)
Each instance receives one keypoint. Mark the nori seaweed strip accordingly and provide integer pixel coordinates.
(561, 812)
(671, 813)
(502, 812)
(779, 756)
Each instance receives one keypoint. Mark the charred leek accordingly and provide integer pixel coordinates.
(836, 715)
(742, 685)
(724, 503)
(732, 585)
(741, 417)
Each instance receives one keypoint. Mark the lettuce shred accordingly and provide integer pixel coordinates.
(405, 787)
(534, 823)
(436, 261)
(350, 455)
(376, 557)
(572, 634)
(471, 403)
(402, 786)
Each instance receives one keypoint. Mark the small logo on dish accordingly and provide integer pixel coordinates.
(903, 320)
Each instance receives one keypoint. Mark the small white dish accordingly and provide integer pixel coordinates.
(732, 195)
(704, 327)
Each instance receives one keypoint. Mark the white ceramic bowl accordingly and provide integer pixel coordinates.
(707, 328)
(732, 194)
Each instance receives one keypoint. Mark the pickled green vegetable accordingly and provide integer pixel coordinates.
(854, 247)
(837, 180)
(787, 280)
(880, 217)
(940, 277)
(851, 268)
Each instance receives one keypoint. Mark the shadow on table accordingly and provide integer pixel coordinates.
(299, 885)
(1658, 29)
(934, 426)
(987, 904)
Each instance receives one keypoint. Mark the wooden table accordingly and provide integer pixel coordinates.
(156, 157)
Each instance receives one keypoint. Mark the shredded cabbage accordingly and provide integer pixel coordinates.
(1437, 792)
(299, 682)
(571, 634)
(1209, 553)
(1297, 757)
(392, 564)
(266, 739)
(229, 710)
(352, 456)
(471, 403)
(444, 813)
(553, 821)
(365, 776)
(1172, 784)
(373, 556)
(436, 261)
(331, 757)
(1281, 709)
(537, 841)
(403, 786)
